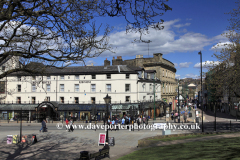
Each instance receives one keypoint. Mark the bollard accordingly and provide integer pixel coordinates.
(230, 126)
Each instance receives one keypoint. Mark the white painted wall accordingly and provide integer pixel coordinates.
(84, 94)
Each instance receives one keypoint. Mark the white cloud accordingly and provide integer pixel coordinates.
(177, 76)
(191, 75)
(175, 64)
(206, 64)
(221, 45)
(90, 62)
(188, 19)
(185, 64)
(164, 41)
(182, 25)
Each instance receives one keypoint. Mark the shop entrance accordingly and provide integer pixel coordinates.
(46, 111)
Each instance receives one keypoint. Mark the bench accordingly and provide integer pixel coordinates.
(98, 155)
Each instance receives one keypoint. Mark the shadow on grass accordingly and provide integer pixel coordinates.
(227, 148)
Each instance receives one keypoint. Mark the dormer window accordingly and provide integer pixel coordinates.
(3, 68)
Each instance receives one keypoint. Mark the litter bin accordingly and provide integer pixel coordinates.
(190, 114)
(197, 119)
(84, 155)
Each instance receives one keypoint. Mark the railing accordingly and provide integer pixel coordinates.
(80, 102)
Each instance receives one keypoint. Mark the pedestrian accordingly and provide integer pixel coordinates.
(123, 121)
(144, 119)
(113, 125)
(43, 125)
(67, 124)
(172, 116)
(138, 122)
(71, 125)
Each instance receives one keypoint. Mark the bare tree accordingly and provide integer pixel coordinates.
(63, 32)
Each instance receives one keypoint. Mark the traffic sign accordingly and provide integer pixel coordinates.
(235, 107)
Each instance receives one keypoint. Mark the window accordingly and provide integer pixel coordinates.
(76, 87)
(144, 98)
(94, 76)
(108, 87)
(150, 98)
(143, 86)
(48, 77)
(93, 87)
(3, 68)
(33, 100)
(19, 88)
(108, 76)
(62, 77)
(48, 99)
(33, 87)
(76, 100)
(76, 76)
(33, 77)
(127, 98)
(127, 87)
(61, 87)
(48, 88)
(127, 76)
(93, 100)
(150, 87)
(62, 99)
(18, 100)
(19, 78)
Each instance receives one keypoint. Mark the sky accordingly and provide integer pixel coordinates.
(192, 26)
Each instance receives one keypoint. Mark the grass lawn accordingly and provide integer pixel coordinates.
(228, 148)
(186, 137)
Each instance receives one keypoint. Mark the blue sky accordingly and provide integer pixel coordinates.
(190, 27)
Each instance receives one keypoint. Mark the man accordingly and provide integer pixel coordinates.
(71, 126)
(43, 125)
(139, 122)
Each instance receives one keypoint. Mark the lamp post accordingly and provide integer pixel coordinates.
(200, 53)
(178, 103)
(215, 107)
(107, 101)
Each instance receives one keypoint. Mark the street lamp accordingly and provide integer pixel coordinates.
(178, 103)
(107, 100)
(200, 53)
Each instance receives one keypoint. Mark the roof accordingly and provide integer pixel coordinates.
(150, 71)
(84, 70)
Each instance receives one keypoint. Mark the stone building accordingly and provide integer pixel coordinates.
(165, 72)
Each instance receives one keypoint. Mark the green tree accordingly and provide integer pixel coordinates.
(224, 77)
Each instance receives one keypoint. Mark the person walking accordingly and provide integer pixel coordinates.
(113, 125)
(139, 122)
(71, 125)
(123, 121)
(67, 124)
(43, 125)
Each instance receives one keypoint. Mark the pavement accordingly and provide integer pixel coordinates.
(60, 144)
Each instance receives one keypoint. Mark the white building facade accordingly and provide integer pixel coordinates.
(126, 85)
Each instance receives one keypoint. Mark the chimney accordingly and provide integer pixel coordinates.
(113, 57)
(119, 57)
(106, 63)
